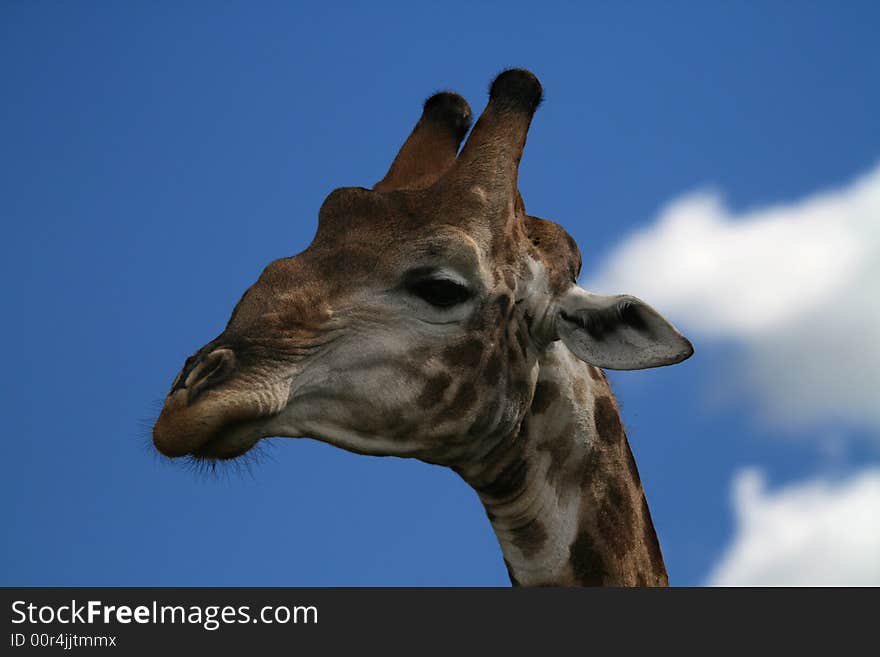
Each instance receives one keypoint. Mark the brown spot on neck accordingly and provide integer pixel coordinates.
(607, 421)
(530, 538)
(587, 563)
(546, 393)
(616, 517)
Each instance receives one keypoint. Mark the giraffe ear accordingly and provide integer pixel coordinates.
(618, 332)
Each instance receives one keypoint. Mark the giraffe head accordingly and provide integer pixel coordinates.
(413, 323)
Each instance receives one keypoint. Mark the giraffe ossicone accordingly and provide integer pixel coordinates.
(432, 317)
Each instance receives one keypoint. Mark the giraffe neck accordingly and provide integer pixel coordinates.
(563, 493)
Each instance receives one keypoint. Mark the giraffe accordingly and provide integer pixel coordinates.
(431, 317)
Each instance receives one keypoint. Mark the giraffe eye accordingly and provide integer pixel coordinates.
(440, 292)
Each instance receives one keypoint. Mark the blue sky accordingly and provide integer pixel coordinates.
(158, 155)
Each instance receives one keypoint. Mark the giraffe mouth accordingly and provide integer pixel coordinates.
(225, 443)
(218, 428)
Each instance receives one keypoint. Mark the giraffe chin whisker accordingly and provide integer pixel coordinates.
(243, 464)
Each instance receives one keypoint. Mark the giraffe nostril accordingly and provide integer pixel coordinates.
(199, 374)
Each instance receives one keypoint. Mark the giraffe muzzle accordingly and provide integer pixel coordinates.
(184, 427)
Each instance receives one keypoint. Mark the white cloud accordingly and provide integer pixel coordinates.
(815, 533)
(796, 285)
